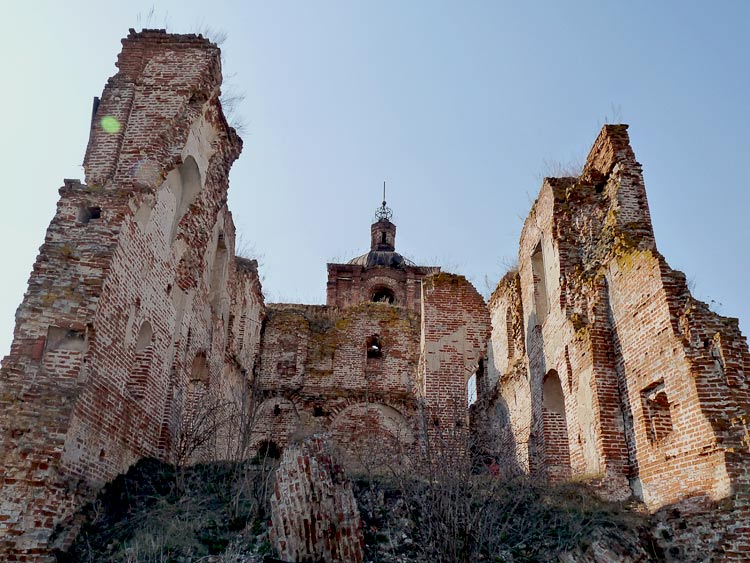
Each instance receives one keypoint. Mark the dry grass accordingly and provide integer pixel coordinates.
(158, 513)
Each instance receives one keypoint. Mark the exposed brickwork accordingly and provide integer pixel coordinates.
(136, 279)
(382, 274)
(313, 511)
(140, 324)
(455, 331)
(652, 389)
(316, 360)
(141, 328)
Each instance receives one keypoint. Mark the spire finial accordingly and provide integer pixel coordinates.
(384, 212)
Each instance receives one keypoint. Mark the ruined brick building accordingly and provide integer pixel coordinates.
(591, 360)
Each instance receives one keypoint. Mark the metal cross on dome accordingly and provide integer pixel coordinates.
(383, 212)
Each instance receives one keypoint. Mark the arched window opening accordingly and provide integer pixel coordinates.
(471, 389)
(555, 427)
(656, 411)
(552, 393)
(383, 295)
(541, 300)
(374, 347)
(145, 335)
(268, 449)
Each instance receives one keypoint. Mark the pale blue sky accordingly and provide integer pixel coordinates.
(457, 104)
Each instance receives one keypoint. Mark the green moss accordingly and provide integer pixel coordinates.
(343, 323)
(578, 321)
(627, 257)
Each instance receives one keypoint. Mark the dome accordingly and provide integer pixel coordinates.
(387, 258)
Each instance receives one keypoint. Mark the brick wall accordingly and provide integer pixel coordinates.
(348, 371)
(135, 282)
(142, 334)
(455, 330)
(652, 390)
(381, 274)
(350, 284)
(502, 414)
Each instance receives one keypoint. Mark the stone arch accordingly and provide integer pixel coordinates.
(382, 294)
(275, 420)
(372, 436)
(382, 288)
(555, 428)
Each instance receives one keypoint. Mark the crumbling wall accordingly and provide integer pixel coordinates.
(351, 284)
(314, 515)
(502, 414)
(137, 315)
(348, 371)
(630, 379)
(455, 330)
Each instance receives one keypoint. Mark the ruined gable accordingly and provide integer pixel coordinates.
(137, 311)
(622, 377)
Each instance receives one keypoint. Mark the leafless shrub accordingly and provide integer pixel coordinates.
(200, 425)
(216, 35)
(454, 504)
(613, 116)
(562, 169)
(151, 20)
(232, 99)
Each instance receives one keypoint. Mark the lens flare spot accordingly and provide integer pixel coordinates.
(110, 124)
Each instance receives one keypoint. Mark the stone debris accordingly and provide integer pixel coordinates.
(313, 511)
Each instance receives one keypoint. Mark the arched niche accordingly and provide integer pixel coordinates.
(275, 419)
(186, 187)
(199, 373)
(143, 355)
(219, 270)
(555, 427)
(372, 437)
(144, 338)
(541, 298)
